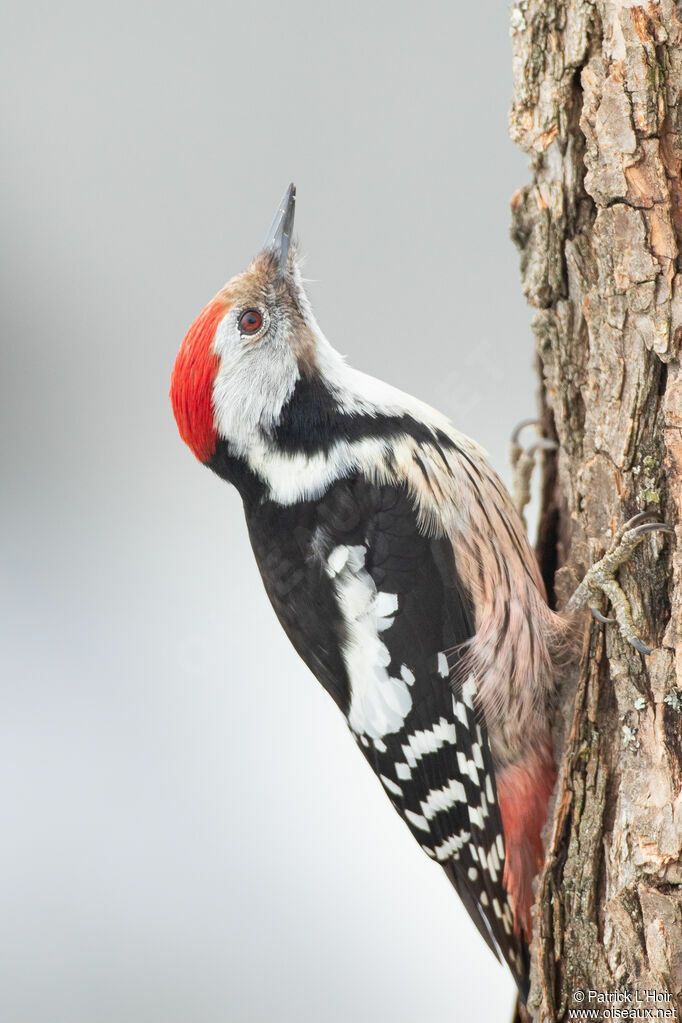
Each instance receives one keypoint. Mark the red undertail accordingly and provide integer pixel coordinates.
(523, 791)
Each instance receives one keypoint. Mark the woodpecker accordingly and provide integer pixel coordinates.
(401, 572)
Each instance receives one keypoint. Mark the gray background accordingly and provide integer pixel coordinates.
(188, 831)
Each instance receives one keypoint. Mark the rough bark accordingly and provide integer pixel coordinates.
(598, 107)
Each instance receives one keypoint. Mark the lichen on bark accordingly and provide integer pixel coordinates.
(597, 106)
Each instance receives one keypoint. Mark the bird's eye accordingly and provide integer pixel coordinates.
(250, 321)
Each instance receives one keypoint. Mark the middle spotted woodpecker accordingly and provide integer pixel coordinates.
(400, 570)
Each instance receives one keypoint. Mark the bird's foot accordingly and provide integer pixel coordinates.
(600, 579)
(523, 462)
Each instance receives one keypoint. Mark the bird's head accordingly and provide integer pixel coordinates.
(244, 354)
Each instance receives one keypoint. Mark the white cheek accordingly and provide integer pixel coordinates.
(228, 343)
(254, 380)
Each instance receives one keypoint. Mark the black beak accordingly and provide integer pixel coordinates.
(279, 236)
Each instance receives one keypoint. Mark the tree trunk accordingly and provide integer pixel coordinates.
(598, 107)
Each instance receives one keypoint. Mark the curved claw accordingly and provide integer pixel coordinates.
(522, 426)
(650, 527)
(542, 445)
(640, 646)
(601, 578)
(636, 519)
(601, 618)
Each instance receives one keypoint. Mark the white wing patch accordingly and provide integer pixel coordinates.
(443, 799)
(451, 846)
(469, 691)
(336, 561)
(418, 820)
(391, 785)
(379, 703)
(428, 740)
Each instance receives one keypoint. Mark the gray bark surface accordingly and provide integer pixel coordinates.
(598, 107)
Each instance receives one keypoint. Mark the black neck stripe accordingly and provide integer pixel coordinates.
(311, 422)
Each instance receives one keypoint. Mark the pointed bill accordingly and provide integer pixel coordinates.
(279, 236)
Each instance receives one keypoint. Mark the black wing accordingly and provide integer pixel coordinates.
(376, 610)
